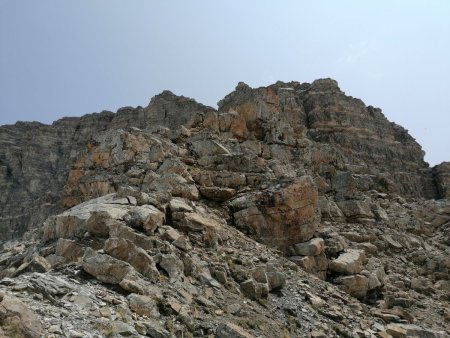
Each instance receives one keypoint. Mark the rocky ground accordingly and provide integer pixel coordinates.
(292, 211)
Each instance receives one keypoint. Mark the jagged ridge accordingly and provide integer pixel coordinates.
(156, 196)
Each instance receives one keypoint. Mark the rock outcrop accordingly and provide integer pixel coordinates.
(35, 158)
(291, 211)
(442, 178)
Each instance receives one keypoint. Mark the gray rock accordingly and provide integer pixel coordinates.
(229, 330)
(104, 267)
(348, 263)
(355, 285)
(313, 247)
(17, 320)
(143, 305)
(171, 264)
(125, 250)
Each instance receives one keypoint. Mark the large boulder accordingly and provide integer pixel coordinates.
(312, 247)
(127, 251)
(316, 265)
(348, 263)
(143, 305)
(355, 285)
(17, 320)
(94, 216)
(282, 215)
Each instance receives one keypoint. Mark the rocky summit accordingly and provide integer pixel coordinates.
(292, 210)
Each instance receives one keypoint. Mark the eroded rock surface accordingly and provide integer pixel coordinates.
(292, 211)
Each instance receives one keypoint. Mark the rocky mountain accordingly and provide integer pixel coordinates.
(293, 210)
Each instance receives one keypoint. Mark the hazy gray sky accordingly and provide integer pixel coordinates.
(67, 58)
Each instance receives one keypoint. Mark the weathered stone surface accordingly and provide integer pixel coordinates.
(230, 330)
(69, 250)
(16, 320)
(408, 330)
(146, 217)
(49, 285)
(355, 209)
(275, 277)
(441, 174)
(143, 305)
(421, 284)
(335, 243)
(127, 251)
(37, 264)
(171, 264)
(160, 206)
(104, 267)
(253, 289)
(355, 285)
(179, 204)
(139, 239)
(313, 247)
(217, 194)
(317, 265)
(73, 222)
(280, 217)
(193, 221)
(348, 263)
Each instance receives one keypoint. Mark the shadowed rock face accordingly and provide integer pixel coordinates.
(328, 132)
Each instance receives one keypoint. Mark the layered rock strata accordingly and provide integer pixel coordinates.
(196, 219)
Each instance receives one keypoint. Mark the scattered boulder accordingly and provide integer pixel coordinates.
(16, 320)
(348, 263)
(127, 251)
(104, 267)
(355, 285)
(230, 330)
(171, 264)
(143, 305)
(316, 265)
(409, 330)
(37, 264)
(69, 250)
(217, 194)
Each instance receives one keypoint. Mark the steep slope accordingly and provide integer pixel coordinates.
(292, 211)
(35, 158)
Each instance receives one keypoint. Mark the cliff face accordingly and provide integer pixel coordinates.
(359, 139)
(35, 158)
(331, 132)
(293, 210)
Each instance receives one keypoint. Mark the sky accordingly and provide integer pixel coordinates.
(69, 58)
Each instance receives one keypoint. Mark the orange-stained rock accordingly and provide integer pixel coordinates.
(281, 216)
